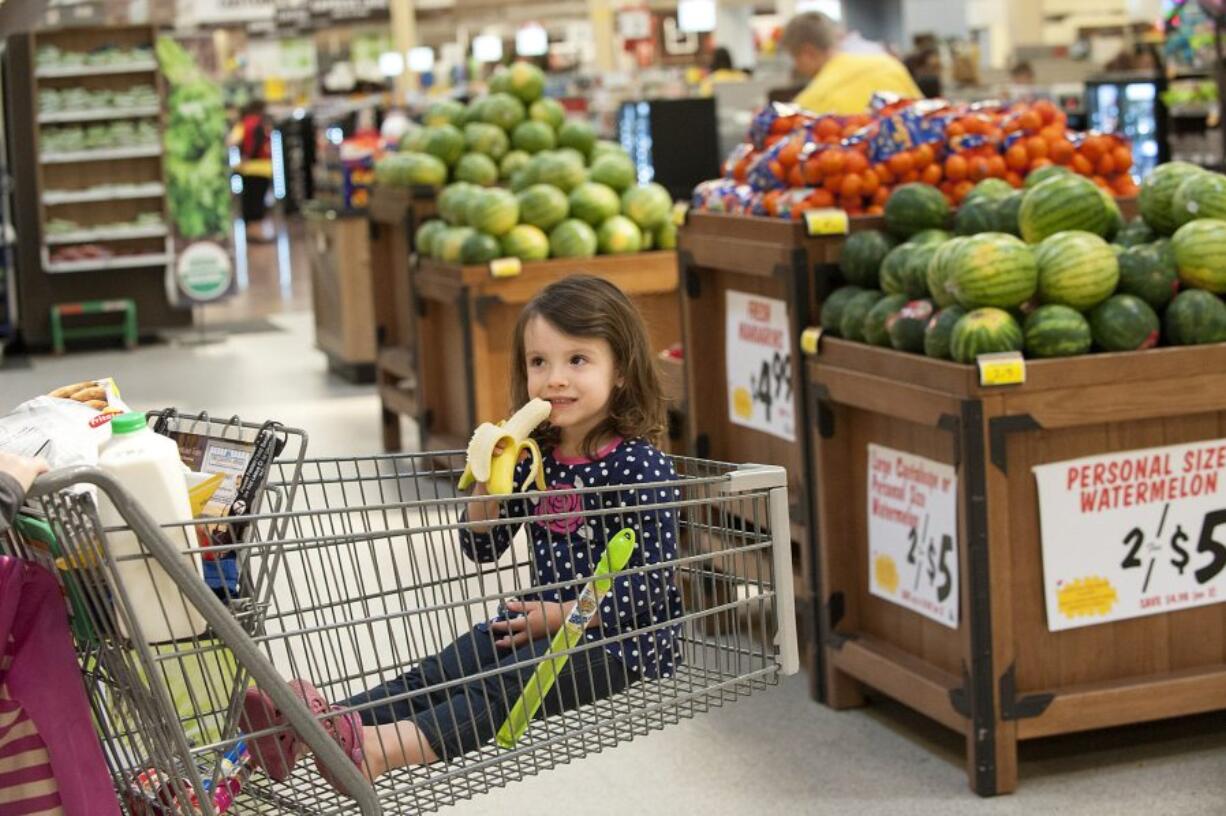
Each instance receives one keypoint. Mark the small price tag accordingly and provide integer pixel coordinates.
(506, 267)
(681, 211)
(1003, 368)
(827, 221)
(809, 340)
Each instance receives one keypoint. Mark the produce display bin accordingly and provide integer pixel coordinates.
(775, 259)
(395, 213)
(342, 292)
(466, 318)
(1007, 665)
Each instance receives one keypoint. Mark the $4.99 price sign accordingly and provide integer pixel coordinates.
(1134, 533)
(759, 360)
(913, 533)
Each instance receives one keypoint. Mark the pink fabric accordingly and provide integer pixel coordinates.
(50, 759)
(583, 460)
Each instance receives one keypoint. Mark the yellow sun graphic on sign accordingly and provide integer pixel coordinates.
(886, 572)
(742, 402)
(1087, 597)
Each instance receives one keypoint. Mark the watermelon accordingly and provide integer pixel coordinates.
(940, 329)
(573, 155)
(480, 137)
(1165, 251)
(578, 136)
(543, 206)
(521, 180)
(604, 147)
(477, 168)
(410, 170)
(914, 207)
(512, 163)
(1115, 218)
(855, 310)
(526, 242)
(533, 137)
(444, 142)
(480, 248)
(990, 189)
(446, 112)
(613, 170)
(448, 243)
(1146, 272)
(1044, 173)
(930, 236)
(503, 110)
(1124, 323)
(649, 240)
(1005, 213)
(423, 239)
(525, 81)
(1056, 331)
(875, 331)
(976, 216)
(572, 239)
(832, 307)
(904, 270)
(1155, 199)
(665, 237)
(863, 252)
(993, 269)
(594, 203)
(500, 82)
(939, 268)
(906, 326)
(453, 202)
(648, 205)
(1200, 195)
(1200, 254)
(494, 211)
(984, 331)
(549, 111)
(1062, 203)
(557, 168)
(1195, 317)
(1134, 233)
(618, 235)
(1077, 269)
(472, 113)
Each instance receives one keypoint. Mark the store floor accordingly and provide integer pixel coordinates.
(774, 753)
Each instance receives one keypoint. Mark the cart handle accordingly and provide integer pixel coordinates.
(223, 624)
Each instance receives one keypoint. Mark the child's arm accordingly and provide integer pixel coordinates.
(17, 473)
(487, 542)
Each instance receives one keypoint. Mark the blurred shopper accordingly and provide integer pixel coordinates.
(721, 70)
(924, 66)
(840, 82)
(1022, 73)
(255, 167)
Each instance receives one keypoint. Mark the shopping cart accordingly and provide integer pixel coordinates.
(361, 576)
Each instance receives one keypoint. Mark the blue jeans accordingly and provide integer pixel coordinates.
(462, 717)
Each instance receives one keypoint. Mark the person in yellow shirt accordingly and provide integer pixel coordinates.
(722, 70)
(842, 82)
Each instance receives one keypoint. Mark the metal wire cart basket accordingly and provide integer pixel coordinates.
(352, 572)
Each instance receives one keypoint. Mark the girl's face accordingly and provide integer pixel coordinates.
(576, 375)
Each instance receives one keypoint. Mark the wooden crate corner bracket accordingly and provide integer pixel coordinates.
(999, 428)
(481, 306)
(1014, 708)
(952, 424)
(835, 609)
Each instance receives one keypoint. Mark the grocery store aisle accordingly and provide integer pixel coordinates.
(777, 752)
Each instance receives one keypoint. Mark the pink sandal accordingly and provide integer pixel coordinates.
(346, 729)
(277, 753)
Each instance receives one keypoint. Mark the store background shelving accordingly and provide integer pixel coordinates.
(111, 193)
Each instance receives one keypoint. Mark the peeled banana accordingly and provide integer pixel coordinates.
(498, 472)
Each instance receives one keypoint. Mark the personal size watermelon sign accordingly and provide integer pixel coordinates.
(758, 349)
(1133, 533)
(913, 533)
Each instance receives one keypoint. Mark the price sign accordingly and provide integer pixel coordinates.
(759, 365)
(826, 221)
(913, 533)
(1001, 368)
(506, 267)
(1134, 533)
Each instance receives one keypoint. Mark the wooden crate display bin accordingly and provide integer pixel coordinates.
(466, 318)
(395, 213)
(1003, 675)
(776, 259)
(341, 292)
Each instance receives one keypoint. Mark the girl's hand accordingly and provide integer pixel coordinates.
(540, 619)
(481, 488)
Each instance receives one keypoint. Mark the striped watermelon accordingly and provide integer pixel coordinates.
(939, 269)
(1146, 272)
(851, 322)
(993, 269)
(1157, 192)
(1077, 269)
(1134, 233)
(899, 268)
(1124, 323)
(1063, 202)
(990, 189)
(832, 307)
(1115, 218)
(1005, 213)
(543, 206)
(875, 331)
(906, 326)
(1200, 195)
(984, 331)
(1195, 317)
(930, 236)
(494, 211)
(976, 216)
(1200, 254)
(914, 207)
(939, 330)
(1044, 173)
(1056, 331)
(862, 255)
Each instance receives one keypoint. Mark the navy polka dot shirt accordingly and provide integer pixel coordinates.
(634, 614)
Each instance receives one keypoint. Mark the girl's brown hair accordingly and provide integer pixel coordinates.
(586, 306)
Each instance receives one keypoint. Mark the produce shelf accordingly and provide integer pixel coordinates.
(152, 190)
(99, 115)
(109, 154)
(102, 264)
(115, 234)
(69, 71)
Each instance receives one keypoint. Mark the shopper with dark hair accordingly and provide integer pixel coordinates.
(255, 168)
(722, 70)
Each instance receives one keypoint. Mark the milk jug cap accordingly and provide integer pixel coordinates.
(128, 423)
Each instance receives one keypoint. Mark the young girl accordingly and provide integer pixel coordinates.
(580, 345)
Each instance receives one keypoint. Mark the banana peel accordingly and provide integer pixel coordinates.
(498, 472)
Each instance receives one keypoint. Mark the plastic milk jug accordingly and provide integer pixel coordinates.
(147, 465)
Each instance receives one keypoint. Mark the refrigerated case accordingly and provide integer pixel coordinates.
(673, 142)
(293, 147)
(1132, 106)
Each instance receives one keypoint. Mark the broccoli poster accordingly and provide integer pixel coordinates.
(197, 174)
